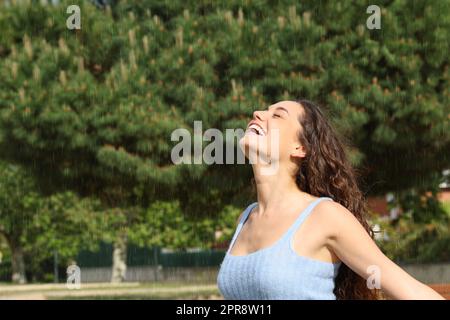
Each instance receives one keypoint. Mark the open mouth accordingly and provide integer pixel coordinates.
(256, 129)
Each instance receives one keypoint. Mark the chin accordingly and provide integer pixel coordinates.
(254, 144)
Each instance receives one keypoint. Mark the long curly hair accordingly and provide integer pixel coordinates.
(326, 171)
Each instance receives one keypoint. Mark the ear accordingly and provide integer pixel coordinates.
(299, 152)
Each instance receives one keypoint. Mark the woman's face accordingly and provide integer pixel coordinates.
(276, 127)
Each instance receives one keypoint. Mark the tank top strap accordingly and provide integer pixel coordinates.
(305, 213)
(241, 223)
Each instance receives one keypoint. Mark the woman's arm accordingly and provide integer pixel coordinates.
(351, 243)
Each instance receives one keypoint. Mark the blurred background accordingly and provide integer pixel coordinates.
(87, 112)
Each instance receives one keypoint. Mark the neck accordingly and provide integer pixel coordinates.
(277, 191)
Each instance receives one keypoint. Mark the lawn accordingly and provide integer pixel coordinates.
(102, 291)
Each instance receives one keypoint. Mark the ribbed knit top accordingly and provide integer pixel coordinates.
(276, 272)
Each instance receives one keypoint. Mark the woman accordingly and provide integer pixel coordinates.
(306, 237)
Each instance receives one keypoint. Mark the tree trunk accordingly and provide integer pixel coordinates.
(119, 267)
(18, 262)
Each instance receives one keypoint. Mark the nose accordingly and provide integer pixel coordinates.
(257, 115)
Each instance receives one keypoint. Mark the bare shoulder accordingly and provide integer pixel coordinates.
(334, 217)
(330, 209)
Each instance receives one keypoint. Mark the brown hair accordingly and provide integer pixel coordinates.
(326, 171)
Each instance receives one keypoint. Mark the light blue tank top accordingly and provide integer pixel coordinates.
(276, 272)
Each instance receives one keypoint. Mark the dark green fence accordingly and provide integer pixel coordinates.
(137, 256)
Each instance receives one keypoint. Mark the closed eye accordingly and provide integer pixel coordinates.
(276, 115)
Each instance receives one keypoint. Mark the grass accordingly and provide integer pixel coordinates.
(203, 294)
(107, 291)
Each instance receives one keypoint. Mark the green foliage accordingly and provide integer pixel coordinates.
(65, 224)
(19, 202)
(410, 242)
(81, 115)
(422, 207)
(421, 233)
(38, 226)
(164, 224)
